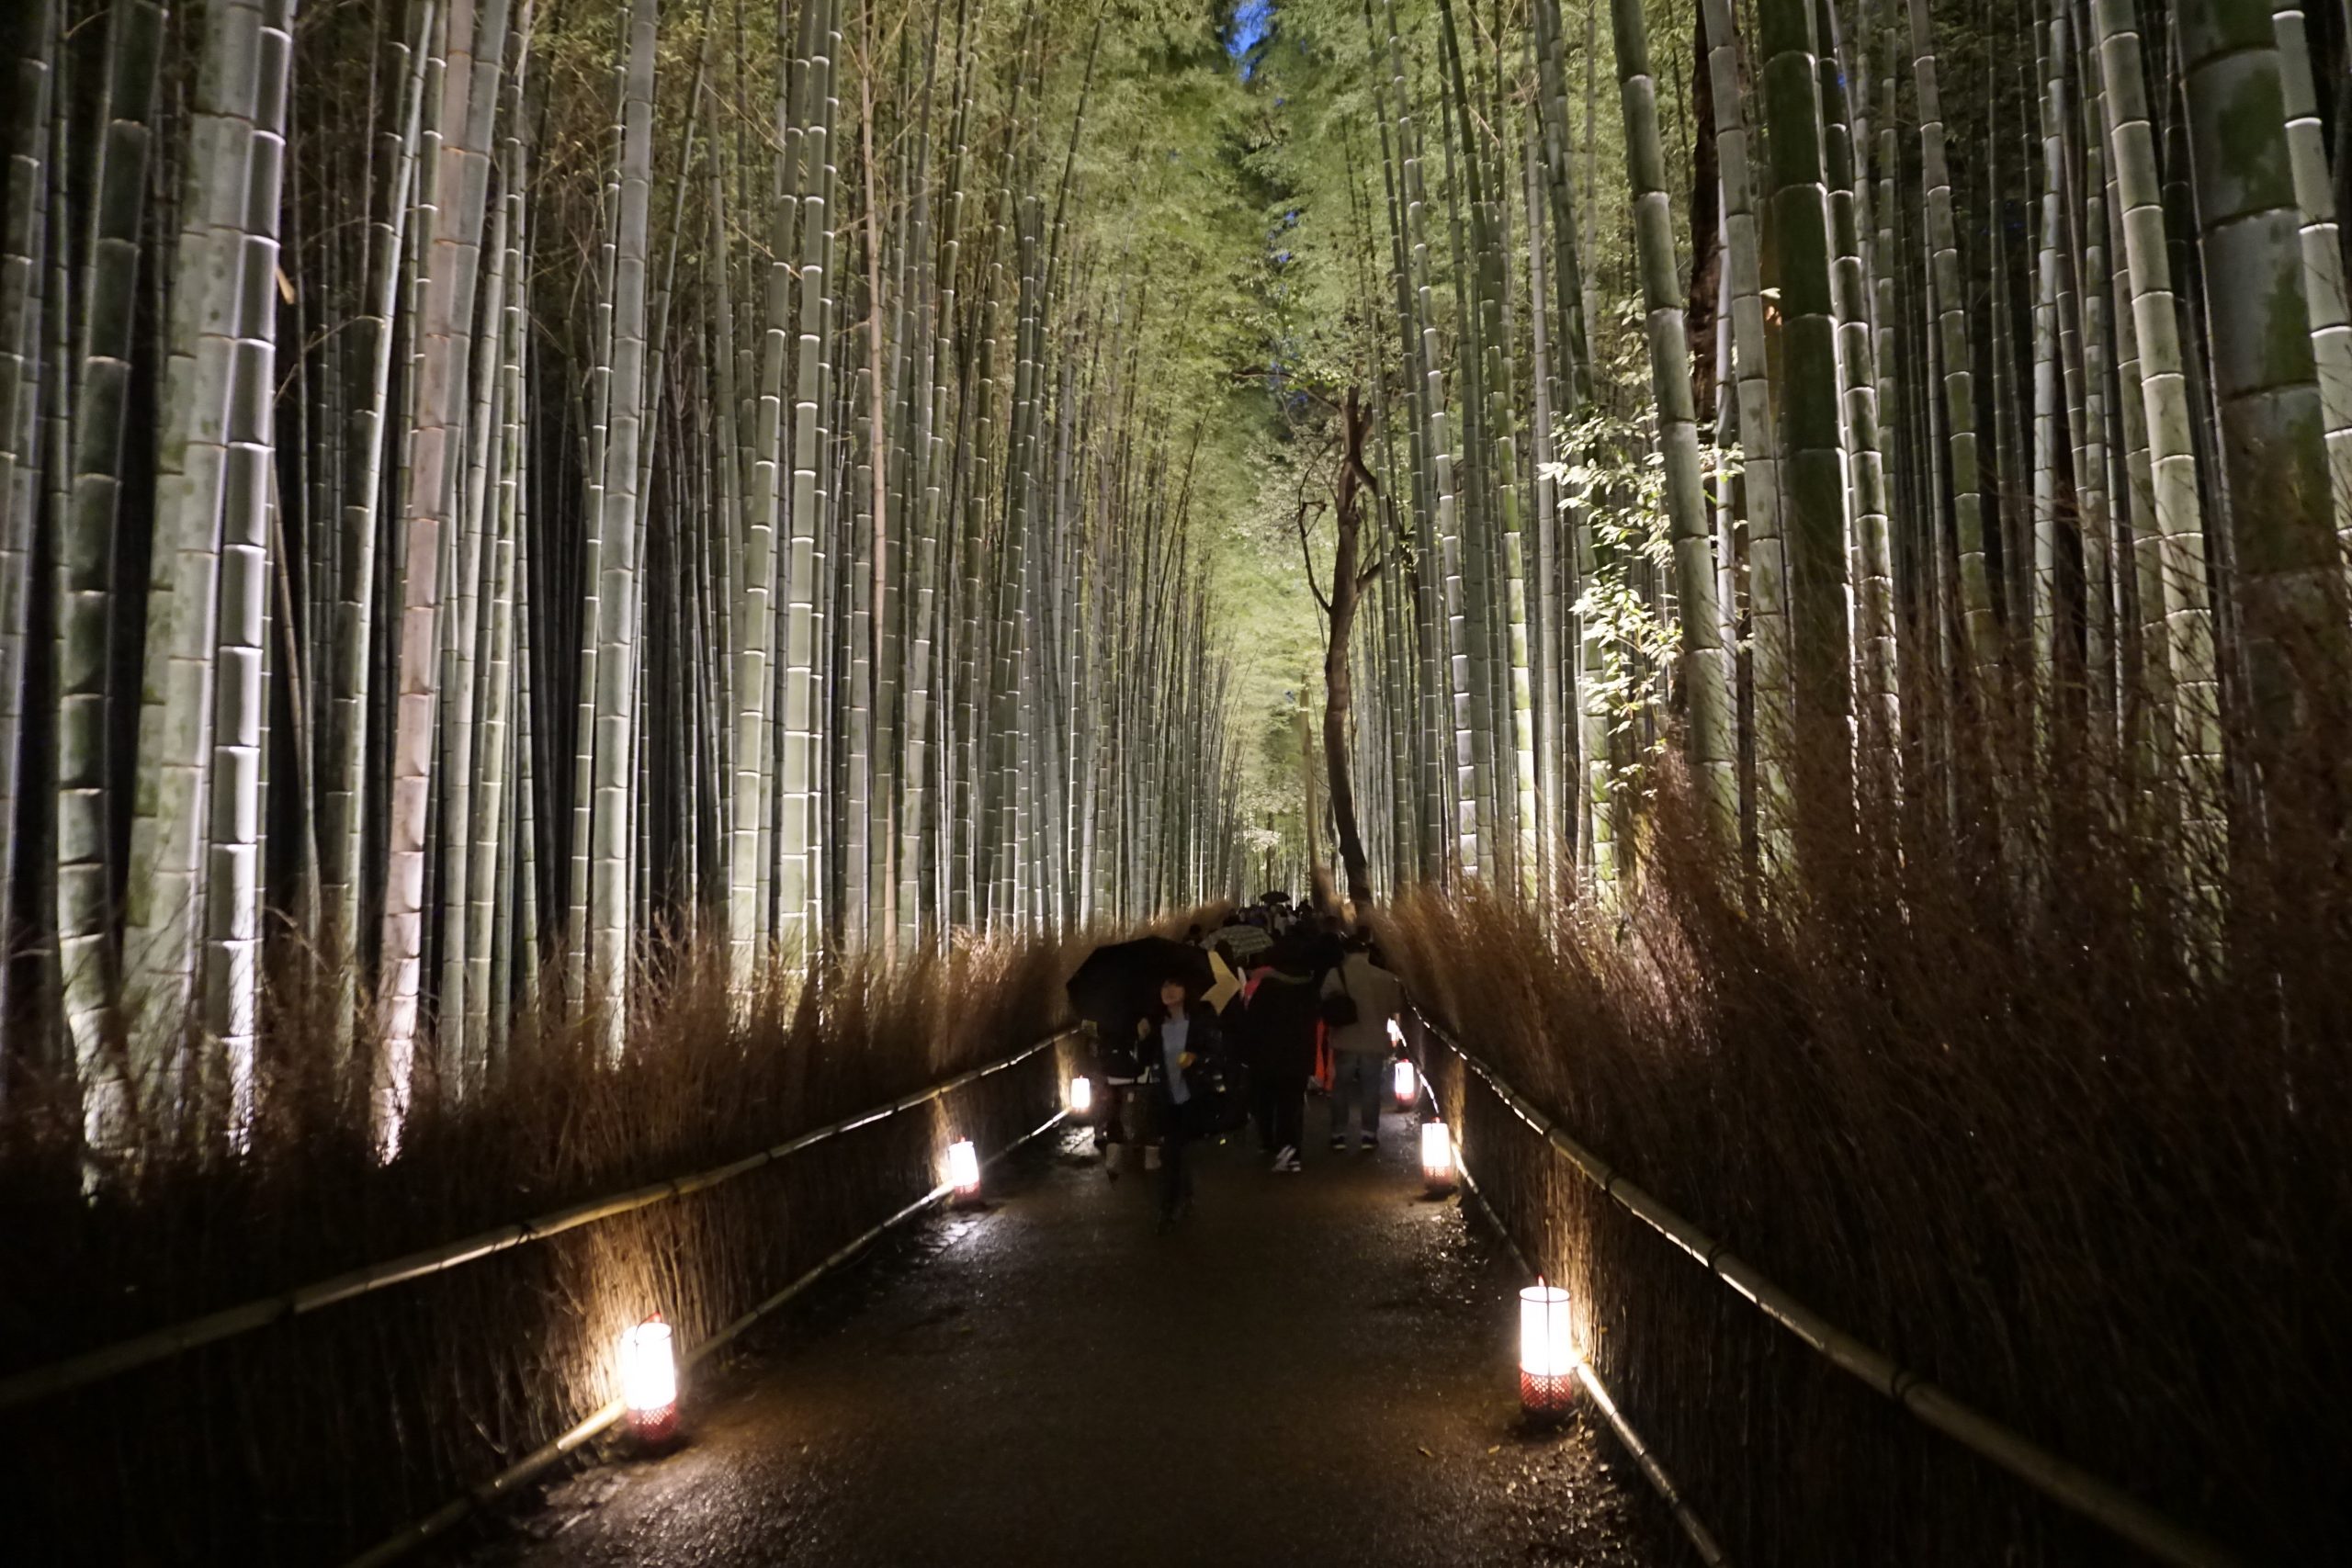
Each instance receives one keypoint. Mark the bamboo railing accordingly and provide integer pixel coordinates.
(162, 1344)
(540, 1460)
(1703, 1539)
(2064, 1482)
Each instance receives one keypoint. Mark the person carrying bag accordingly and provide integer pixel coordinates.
(1358, 998)
(1179, 1043)
(1281, 1025)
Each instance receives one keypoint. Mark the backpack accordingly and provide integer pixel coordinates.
(1339, 1012)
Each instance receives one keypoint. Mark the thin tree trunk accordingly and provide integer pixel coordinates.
(1349, 580)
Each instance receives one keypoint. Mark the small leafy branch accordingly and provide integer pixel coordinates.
(1612, 481)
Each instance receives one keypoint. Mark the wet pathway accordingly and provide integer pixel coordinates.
(1314, 1369)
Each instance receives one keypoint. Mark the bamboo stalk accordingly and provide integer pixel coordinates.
(166, 917)
(107, 294)
(1979, 632)
(25, 246)
(468, 94)
(1708, 737)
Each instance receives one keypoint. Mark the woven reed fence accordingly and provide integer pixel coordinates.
(1794, 1441)
(465, 1302)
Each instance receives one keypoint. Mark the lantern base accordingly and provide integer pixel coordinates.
(965, 1198)
(1546, 1396)
(1437, 1186)
(654, 1428)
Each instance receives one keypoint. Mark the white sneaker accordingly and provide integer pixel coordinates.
(1287, 1158)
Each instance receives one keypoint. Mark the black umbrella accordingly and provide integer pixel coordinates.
(1120, 982)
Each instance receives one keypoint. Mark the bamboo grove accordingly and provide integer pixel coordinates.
(1905, 408)
(496, 492)
(501, 493)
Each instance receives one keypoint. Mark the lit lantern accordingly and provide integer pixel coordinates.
(964, 1170)
(650, 1381)
(1408, 1082)
(1081, 1096)
(1547, 1358)
(1437, 1156)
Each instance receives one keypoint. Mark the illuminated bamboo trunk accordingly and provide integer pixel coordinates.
(1771, 682)
(233, 899)
(86, 959)
(797, 869)
(2323, 282)
(1873, 586)
(2265, 379)
(2183, 603)
(469, 94)
(1708, 736)
(611, 927)
(344, 726)
(1980, 633)
(165, 912)
(490, 843)
(25, 247)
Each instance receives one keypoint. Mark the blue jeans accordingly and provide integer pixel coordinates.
(1358, 1077)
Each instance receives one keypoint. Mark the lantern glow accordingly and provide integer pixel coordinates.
(1408, 1082)
(1437, 1156)
(1547, 1358)
(964, 1169)
(1081, 1096)
(650, 1381)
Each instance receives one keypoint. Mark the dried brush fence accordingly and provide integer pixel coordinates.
(322, 1434)
(2096, 1198)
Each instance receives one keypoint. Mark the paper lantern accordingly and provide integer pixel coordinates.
(964, 1170)
(1408, 1082)
(1547, 1358)
(650, 1381)
(1081, 1096)
(1437, 1156)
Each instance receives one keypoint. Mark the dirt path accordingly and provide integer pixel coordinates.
(1314, 1369)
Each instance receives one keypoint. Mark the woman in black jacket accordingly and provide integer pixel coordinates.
(1181, 1037)
(1281, 1022)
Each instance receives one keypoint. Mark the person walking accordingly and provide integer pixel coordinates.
(1358, 998)
(1112, 1063)
(1182, 1035)
(1323, 942)
(1281, 1022)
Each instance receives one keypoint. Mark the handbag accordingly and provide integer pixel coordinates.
(1339, 1012)
(1222, 1093)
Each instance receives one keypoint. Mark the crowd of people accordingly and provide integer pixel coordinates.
(1296, 1001)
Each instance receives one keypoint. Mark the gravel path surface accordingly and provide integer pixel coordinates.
(1312, 1369)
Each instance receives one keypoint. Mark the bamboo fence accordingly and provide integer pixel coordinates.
(2065, 1483)
(539, 1460)
(94, 1366)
